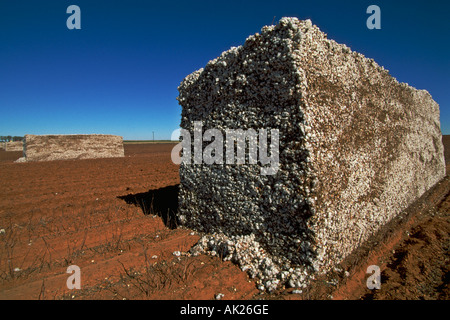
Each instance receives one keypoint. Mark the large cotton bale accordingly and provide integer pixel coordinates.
(356, 148)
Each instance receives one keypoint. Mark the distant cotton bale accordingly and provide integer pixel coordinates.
(14, 146)
(76, 146)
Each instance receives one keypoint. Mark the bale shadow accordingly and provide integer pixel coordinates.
(162, 202)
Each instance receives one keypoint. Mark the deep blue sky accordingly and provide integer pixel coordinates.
(119, 74)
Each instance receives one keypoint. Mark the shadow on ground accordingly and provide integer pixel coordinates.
(162, 202)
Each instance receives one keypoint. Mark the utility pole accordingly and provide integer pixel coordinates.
(153, 136)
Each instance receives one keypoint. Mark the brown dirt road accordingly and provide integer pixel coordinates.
(113, 218)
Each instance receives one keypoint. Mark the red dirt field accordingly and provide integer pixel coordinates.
(114, 218)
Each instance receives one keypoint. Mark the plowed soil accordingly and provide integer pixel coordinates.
(115, 220)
